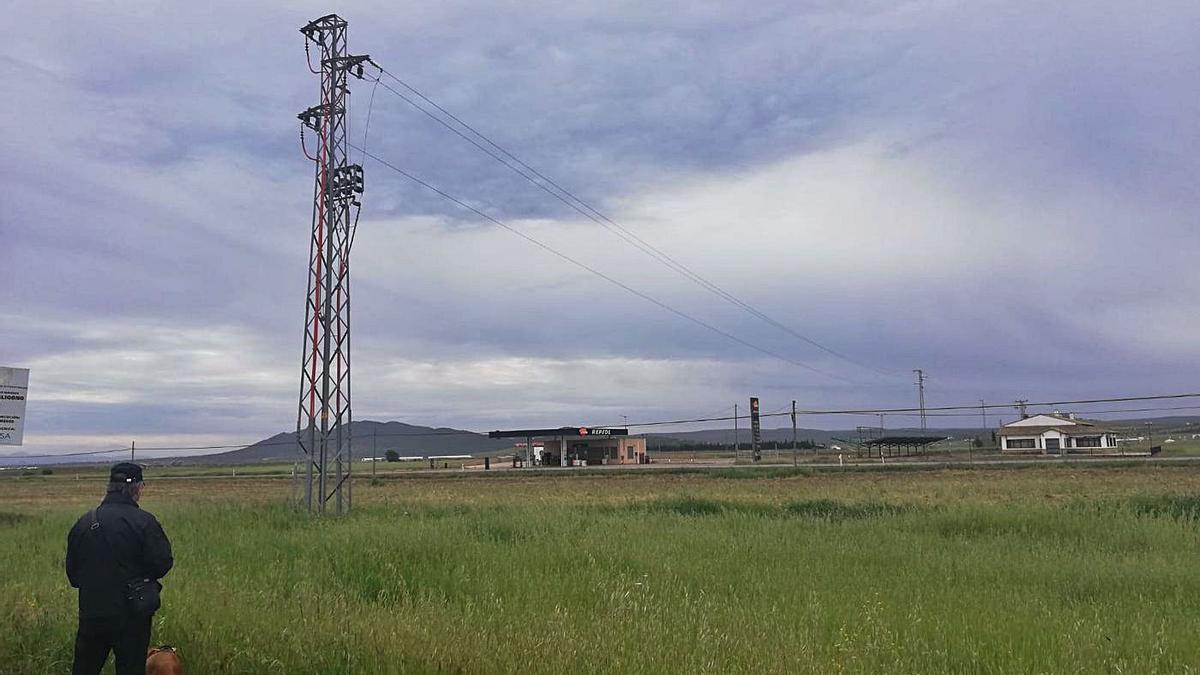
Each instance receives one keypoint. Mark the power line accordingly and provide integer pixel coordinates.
(917, 411)
(645, 296)
(989, 406)
(903, 412)
(921, 388)
(570, 199)
(66, 454)
(976, 414)
(1129, 410)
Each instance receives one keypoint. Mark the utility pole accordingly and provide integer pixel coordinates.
(132, 447)
(795, 443)
(374, 451)
(983, 416)
(324, 414)
(1020, 405)
(737, 443)
(921, 389)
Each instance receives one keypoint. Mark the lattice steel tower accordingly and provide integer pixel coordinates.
(323, 419)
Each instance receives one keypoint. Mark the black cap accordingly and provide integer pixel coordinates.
(125, 472)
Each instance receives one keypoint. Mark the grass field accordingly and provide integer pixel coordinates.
(1047, 570)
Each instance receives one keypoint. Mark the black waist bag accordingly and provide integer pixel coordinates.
(142, 596)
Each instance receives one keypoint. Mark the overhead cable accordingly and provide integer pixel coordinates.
(584, 266)
(991, 406)
(693, 420)
(898, 411)
(554, 189)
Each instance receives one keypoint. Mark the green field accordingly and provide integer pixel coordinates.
(1047, 570)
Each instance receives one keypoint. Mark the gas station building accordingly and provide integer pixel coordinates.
(577, 446)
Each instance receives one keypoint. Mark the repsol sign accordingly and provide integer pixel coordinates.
(602, 431)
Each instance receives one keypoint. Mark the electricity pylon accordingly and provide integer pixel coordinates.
(323, 419)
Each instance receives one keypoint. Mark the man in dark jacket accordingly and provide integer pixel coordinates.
(109, 546)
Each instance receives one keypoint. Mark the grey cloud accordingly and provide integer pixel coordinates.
(1002, 193)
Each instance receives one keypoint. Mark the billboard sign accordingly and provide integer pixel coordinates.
(602, 431)
(14, 383)
(755, 428)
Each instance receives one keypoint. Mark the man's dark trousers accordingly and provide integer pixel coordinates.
(128, 637)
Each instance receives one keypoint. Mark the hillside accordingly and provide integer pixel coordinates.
(784, 435)
(410, 440)
(369, 439)
(1179, 426)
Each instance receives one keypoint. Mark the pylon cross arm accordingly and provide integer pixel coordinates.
(352, 64)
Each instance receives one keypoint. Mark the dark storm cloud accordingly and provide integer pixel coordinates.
(1001, 193)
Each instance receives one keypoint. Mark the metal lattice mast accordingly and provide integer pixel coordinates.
(921, 393)
(324, 414)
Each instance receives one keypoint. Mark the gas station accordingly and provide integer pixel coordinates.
(576, 446)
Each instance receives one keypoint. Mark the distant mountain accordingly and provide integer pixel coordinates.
(1178, 425)
(411, 440)
(24, 458)
(725, 436)
(784, 435)
(370, 439)
(19, 458)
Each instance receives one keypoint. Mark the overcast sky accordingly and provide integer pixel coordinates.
(1001, 193)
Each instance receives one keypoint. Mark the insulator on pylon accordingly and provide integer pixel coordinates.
(351, 64)
(346, 182)
(311, 118)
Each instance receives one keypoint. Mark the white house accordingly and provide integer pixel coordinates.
(1055, 434)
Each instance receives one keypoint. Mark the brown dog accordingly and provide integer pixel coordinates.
(163, 660)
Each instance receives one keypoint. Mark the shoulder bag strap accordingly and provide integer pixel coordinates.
(99, 529)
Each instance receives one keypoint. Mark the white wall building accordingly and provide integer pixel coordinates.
(1055, 434)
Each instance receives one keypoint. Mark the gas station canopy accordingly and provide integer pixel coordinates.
(561, 431)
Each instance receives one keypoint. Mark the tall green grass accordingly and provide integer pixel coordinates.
(676, 582)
